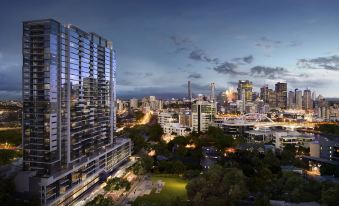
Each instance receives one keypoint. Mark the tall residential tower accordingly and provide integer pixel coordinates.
(68, 111)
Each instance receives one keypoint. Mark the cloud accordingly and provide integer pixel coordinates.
(268, 72)
(194, 76)
(181, 49)
(244, 60)
(327, 63)
(10, 78)
(148, 74)
(228, 68)
(178, 41)
(200, 55)
(268, 44)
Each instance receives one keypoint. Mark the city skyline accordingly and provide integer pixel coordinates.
(195, 41)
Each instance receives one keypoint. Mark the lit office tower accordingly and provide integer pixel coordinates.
(307, 100)
(272, 98)
(68, 112)
(245, 88)
(298, 99)
(203, 113)
(264, 93)
(291, 100)
(281, 92)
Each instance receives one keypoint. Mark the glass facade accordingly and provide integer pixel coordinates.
(68, 105)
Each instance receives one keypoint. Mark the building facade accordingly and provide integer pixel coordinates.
(281, 95)
(307, 100)
(68, 111)
(203, 113)
(245, 90)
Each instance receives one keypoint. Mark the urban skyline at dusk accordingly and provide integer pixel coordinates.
(164, 44)
(169, 103)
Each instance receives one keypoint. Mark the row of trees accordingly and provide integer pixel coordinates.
(247, 176)
(332, 129)
(101, 200)
(140, 134)
(117, 183)
(7, 155)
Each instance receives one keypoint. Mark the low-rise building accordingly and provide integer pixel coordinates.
(237, 127)
(177, 129)
(166, 117)
(262, 135)
(282, 138)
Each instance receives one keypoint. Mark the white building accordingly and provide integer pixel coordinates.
(166, 118)
(177, 129)
(262, 135)
(282, 138)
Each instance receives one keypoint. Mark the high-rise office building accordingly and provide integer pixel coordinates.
(298, 99)
(291, 100)
(307, 100)
(314, 95)
(203, 113)
(68, 112)
(272, 98)
(264, 93)
(281, 94)
(245, 88)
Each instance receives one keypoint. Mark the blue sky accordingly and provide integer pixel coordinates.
(163, 44)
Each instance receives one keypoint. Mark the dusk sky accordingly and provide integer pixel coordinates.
(162, 44)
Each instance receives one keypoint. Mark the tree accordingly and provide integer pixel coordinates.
(147, 163)
(117, 183)
(220, 140)
(327, 169)
(100, 200)
(138, 143)
(329, 196)
(288, 154)
(155, 132)
(218, 186)
(272, 162)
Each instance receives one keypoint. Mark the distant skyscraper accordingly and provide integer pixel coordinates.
(307, 100)
(264, 93)
(68, 112)
(245, 88)
(189, 95)
(212, 87)
(272, 98)
(281, 94)
(314, 95)
(298, 99)
(255, 95)
(291, 100)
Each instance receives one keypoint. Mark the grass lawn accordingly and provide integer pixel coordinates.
(174, 187)
(7, 155)
(11, 136)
